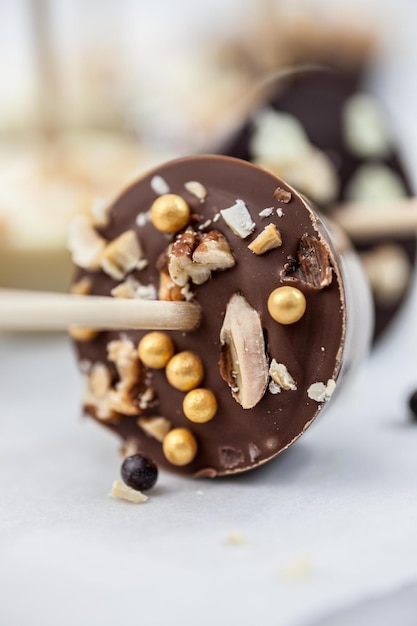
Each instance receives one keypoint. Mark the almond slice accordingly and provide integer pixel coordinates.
(243, 363)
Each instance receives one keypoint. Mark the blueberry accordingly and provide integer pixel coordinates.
(139, 472)
(412, 403)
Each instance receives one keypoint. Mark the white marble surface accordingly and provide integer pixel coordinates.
(326, 525)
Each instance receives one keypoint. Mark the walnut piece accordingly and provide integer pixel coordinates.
(193, 257)
(312, 266)
(122, 255)
(268, 239)
(243, 363)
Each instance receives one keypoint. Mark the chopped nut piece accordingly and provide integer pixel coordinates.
(312, 266)
(196, 189)
(193, 257)
(180, 264)
(281, 376)
(82, 287)
(81, 333)
(120, 401)
(156, 427)
(97, 391)
(268, 239)
(238, 218)
(122, 491)
(122, 255)
(214, 252)
(124, 354)
(85, 244)
(321, 392)
(274, 388)
(282, 195)
(236, 538)
(133, 289)
(100, 380)
(159, 185)
(168, 290)
(373, 183)
(243, 363)
(100, 213)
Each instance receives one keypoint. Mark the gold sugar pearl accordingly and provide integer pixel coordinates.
(155, 350)
(184, 371)
(287, 305)
(179, 446)
(200, 405)
(170, 213)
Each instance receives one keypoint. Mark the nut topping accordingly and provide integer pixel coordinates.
(321, 392)
(196, 189)
(156, 427)
(243, 362)
(193, 257)
(268, 239)
(122, 255)
(122, 491)
(85, 244)
(281, 376)
(312, 265)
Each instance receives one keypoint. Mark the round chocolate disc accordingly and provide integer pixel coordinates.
(265, 360)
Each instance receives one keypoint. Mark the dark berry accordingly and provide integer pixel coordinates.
(412, 403)
(139, 472)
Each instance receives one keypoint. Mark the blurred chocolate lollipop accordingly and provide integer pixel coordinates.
(320, 131)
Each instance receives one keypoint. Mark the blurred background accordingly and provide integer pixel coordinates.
(94, 93)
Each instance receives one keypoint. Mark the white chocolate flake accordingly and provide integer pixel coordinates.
(159, 185)
(266, 212)
(238, 218)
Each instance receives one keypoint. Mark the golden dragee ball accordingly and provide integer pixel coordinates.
(286, 305)
(179, 446)
(200, 405)
(155, 350)
(170, 213)
(184, 371)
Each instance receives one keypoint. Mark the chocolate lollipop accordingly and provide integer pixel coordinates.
(284, 316)
(321, 131)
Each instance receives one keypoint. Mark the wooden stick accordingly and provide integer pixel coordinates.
(372, 221)
(31, 310)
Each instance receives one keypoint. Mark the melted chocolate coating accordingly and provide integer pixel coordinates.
(316, 98)
(236, 439)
